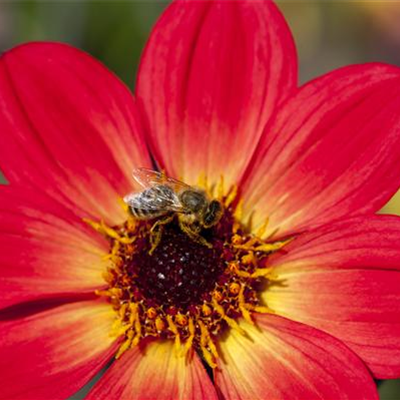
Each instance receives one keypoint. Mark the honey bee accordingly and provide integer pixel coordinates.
(167, 197)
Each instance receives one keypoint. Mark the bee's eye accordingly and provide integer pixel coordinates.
(213, 214)
(215, 206)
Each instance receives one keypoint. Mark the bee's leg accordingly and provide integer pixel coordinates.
(194, 234)
(156, 232)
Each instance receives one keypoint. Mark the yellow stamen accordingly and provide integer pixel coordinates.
(107, 276)
(131, 224)
(113, 255)
(262, 229)
(249, 259)
(202, 181)
(107, 231)
(123, 205)
(138, 327)
(243, 274)
(271, 247)
(208, 357)
(250, 243)
(125, 346)
(122, 310)
(265, 272)
(212, 347)
(205, 341)
(233, 268)
(264, 247)
(93, 224)
(231, 322)
(189, 341)
(262, 309)
(112, 292)
(173, 328)
(242, 307)
(136, 340)
(133, 307)
(220, 187)
(238, 213)
(231, 196)
(118, 329)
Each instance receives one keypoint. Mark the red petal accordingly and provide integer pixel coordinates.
(288, 360)
(345, 280)
(69, 127)
(45, 250)
(210, 77)
(332, 150)
(53, 354)
(155, 372)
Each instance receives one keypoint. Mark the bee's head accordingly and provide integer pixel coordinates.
(213, 214)
(193, 200)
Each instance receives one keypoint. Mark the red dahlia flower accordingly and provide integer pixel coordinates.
(296, 295)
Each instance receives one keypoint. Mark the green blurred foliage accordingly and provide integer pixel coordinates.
(390, 390)
(328, 34)
(112, 31)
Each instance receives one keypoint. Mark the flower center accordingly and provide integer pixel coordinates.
(184, 289)
(179, 272)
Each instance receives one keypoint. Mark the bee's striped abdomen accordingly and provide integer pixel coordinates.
(153, 202)
(143, 213)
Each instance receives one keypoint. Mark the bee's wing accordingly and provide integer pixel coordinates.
(155, 198)
(147, 178)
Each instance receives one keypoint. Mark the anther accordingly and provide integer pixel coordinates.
(236, 239)
(151, 313)
(159, 324)
(181, 320)
(234, 288)
(206, 310)
(217, 296)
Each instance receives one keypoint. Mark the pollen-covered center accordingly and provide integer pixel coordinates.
(179, 273)
(164, 282)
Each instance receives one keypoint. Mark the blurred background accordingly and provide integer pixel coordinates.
(328, 34)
